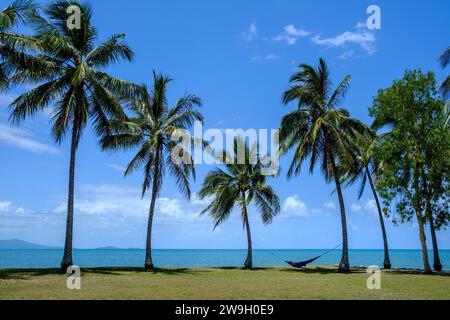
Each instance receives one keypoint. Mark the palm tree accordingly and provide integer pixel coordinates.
(318, 129)
(240, 183)
(15, 14)
(364, 171)
(73, 84)
(445, 86)
(445, 60)
(152, 129)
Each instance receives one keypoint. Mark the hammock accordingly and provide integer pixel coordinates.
(301, 264)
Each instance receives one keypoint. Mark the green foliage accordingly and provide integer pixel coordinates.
(151, 128)
(362, 146)
(13, 44)
(414, 147)
(318, 129)
(67, 74)
(240, 182)
(445, 60)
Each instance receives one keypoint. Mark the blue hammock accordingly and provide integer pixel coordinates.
(301, 264)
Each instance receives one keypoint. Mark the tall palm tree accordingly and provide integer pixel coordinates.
(318, 129)
(151, 129)
(364, 170)
(73, 84)
(240, 183)
(11, 43)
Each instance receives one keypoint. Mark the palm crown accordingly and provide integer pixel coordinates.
(240, 182)
(445, 60)
(151, 129)
(11, 43)
(317, 129)
(68, 72)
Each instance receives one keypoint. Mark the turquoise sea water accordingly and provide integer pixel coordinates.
(208, 258)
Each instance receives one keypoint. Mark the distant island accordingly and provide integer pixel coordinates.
(17, 244)
(21, 244)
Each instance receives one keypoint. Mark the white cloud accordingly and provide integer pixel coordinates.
(369, 206)
(8, 209)
(268, 57)
(347, 55)
(329, 205)
(5, 206)
(23, 140)
(362, 37)
(291, 34)
(116, 167)
(355, 207)
(251, 33)
(294, 207)
(271, 57)
(110, 201)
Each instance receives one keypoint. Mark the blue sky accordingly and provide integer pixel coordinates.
(237, 56)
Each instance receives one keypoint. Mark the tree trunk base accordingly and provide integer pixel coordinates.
(437, 267)
(344, 267)
(149, 266)
(248, 264)
(428, 272)
(65, 265)
(387, 265)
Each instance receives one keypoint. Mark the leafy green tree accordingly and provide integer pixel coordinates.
(151, 129)
(411, 110)
(241, 182)
(366, 170)
(69, 78)
(321, 131)
(12, 44)
(437, 186)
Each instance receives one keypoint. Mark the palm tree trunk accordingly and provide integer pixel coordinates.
(387, 261)
(249, 261)
(436, 260)
(148, 245)
(67, 258)
(344, 265)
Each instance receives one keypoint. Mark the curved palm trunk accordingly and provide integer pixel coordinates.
(148, 245)
(249, 261)
(436, 260)
(67, 258)
(387, 261)
(344, 265)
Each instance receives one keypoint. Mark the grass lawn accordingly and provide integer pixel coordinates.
(221, 283)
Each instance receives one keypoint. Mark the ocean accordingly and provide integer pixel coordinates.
(50, 258)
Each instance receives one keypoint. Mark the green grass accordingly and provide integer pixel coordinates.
(221, 283)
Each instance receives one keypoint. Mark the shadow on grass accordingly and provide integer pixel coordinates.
(418, 272)
(176, 271)
(313, 270)
(26, 274)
